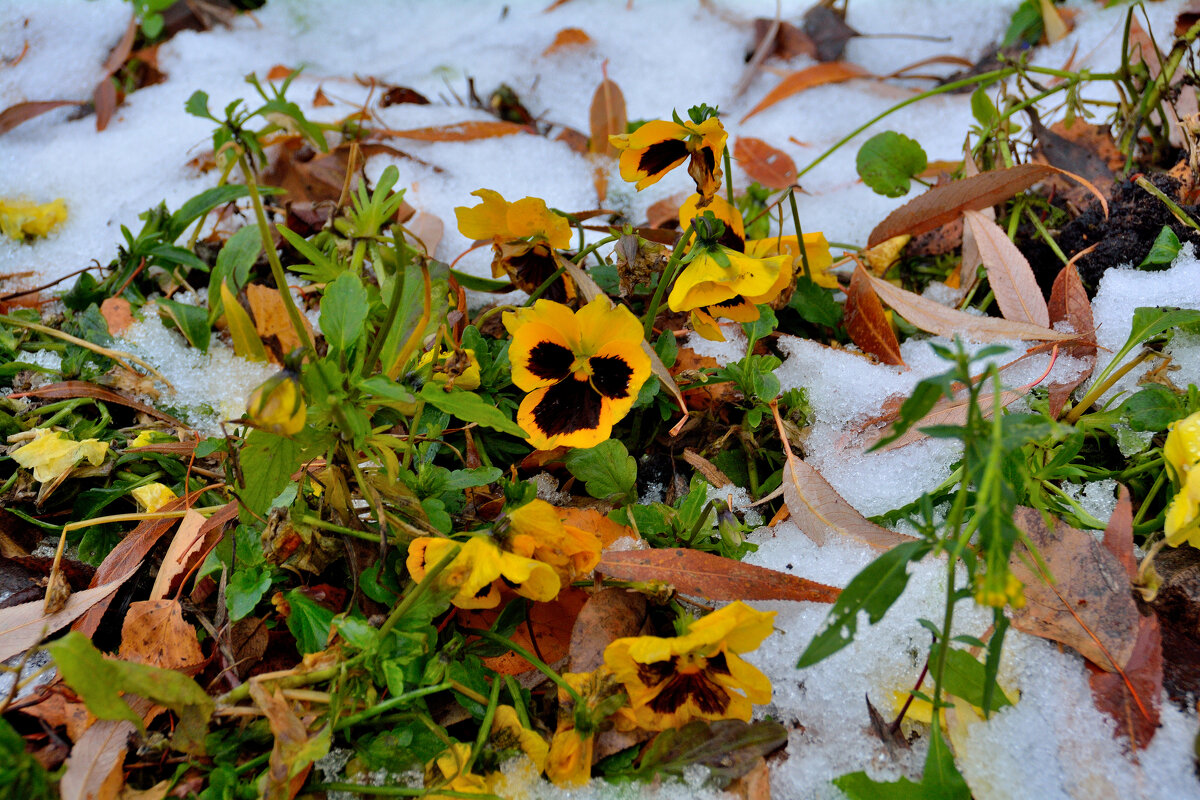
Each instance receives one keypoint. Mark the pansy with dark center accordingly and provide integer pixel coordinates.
(658, 147)
(582, 370)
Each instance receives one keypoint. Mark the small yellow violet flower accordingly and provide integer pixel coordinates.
(509, 734)
(536, 531)
(447, 772)
(153, 496)
(20, 218)
(51, 454)
(660, 146)
(278, 405)
(1182, 453)
(479, 568)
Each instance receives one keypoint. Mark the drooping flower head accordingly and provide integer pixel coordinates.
(660, 146)
(535, 530)
(525, 237)
(699, 675)
(569, 760)
(582, 370)
(479, 569)
(53, 453)
(277, 405)
(508, 734)
(1182, 453)
(450, 772)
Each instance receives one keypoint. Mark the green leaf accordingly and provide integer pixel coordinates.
(344, 311)
(873, 591)
(204, 202)
(21, 775)
(191, 321)
(269, 461)
(245, 590)
(322, 268)
(1153, 408)
(470, 407)
(888, 161)
(1149, 322)
(197, 105)
(475, 476)
(815, 304)
(728, 747)
(308, 621)
(91, 676)
(982, 107)
(941, 781)
(478, 284)
(1163, 251)
(966, 677)
(246, 341)
(233, 265)
(607, 470)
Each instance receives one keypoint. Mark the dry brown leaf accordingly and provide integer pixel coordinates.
(607, 117)
(58, 712)
(23, 626)
(551, 624)
(942, 204)
(608, 615)
(155, 633)
(1069, 303)
(1136, 713)
(1118, 534)
(816, 75)
(105, 96)
(156, 792)
(17, 113)
(185, 546)
(94, 766)
(459, 132)
(271, 317)
(819, 511)
(665, 211)
(789, 42)
(763, 163)
(567, 37)
(117, 313)
(706, 468)
(320, 100)
(936, 318)
(867, 323)
(707, 575)
(428, 229)
(754, 785)
(291, 737)
(1089, 607)
(944, 412)
(279, 72)
(1009, 274)
(67, 390)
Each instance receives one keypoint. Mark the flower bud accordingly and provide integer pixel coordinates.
(278, 405)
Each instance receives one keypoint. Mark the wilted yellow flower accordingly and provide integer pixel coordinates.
(582, 370)
(153, 496)
(459, 366)
(569, 761)
(660, 146)
(815, 246)
(278, 405)
(672, 681)
(535, 530)
(51, 454)
(1182, 452)
(478, 569)
(20, 218)
(448, 772)
(509, 734)
(525, 237)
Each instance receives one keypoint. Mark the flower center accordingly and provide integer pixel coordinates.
(581, 368)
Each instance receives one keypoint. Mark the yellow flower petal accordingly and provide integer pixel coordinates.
(601, 322)
(470, 574)
(569, 759)
(817, 249)
(20, 218)
(706, 326)
(533, 579)
(488, 220)
(1181, 524)
(722, 209)
(1182, 447)
(529, 217)
(153, 496)
(508, 733)
(51, 454)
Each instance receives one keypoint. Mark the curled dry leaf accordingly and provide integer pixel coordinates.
(1089, 606)
(1009, 274)
(701, 574)
(93, 771)
(867, 323)
(608, 615)
(936, 318)
(607, 117)
(942, 204)
(271, 317)
(459, 132)
(763, 163)
(17, 113)
(1132, 700)
(816, 75)
(1069, 303)
(568, 37)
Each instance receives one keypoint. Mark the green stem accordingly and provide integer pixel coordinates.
(1045, 234)
(1171, 205)
(543, 286)
(393, 309)
(1154, 489)
(1104, 383)
(414, 594)
(728, 175)
(384, 706)
(799, 234)
(485, 727)
(316, 522)
(538, 664)
(665, 279)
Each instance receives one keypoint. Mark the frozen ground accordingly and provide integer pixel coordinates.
(665, 55)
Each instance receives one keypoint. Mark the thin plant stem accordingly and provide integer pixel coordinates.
(799, 234)
(665, 279)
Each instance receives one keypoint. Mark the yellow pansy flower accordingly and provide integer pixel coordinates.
(458, 366)
(479, 568)
(20, 218)
(582, 370)
(535, 530)
(672, 681)
(278, 405)
(153, 496)
(1182, 452)
(569, 760)
(509, 734)
(660, 146)
(51, 453)
(448, 772)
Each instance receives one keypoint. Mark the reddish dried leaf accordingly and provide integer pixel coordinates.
(567, 37)
(155, 633)
(819, 511)
(1118, 534)
(665, 211)
(943, 203)
(706, 468)
(58, 712)
(184, 549)
(608, 615)
(1089, 607)
(1136, 717)
(936, 318)
(607, 117)
(117, 313)
(1009, 274)
(14, 115)
(789, 42)
(1069, 303)
(707, 575)
(816, 75)
(769, 166)
(71, 389)
(291, 740)
(396, 95)
(104, 99)
(279, 72)
(319, 98)
(867, 323)
(105, 96)
(551, 623)
(460, 132)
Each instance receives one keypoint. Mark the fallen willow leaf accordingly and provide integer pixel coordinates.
(1069, 303)
(763, 163)
(271, 317)
(710, 576)
(1009, 274)
(949, 322)
(866, 321)
(1088, 607)
(816, 75)
(23, 626)
(606, 117)
(94, 768)
(104, 98)
(942, 204)
(14, 115)
(1132, 700)
(944, 412)
(608, 615)
(459, 132)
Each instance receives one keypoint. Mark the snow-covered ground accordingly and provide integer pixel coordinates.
(665, 55)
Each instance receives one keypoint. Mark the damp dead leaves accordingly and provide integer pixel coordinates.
(763, 163)
(867, 323)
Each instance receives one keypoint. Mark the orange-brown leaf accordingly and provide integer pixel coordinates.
(1136, 716)
(459, 132)
(816, 75)
(567, 37)
(271, 317)
(867, 323)
(769, 166)
(93, 771)
(23, 626)
(117, 313)
(15, 114)
(1069, 303)
(155, 633)
(607, 117)
(1009, 274)
(279, 72)
(551, 623)
(589, 519)
(701, 574)
(186, 547)
(1118, 534)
